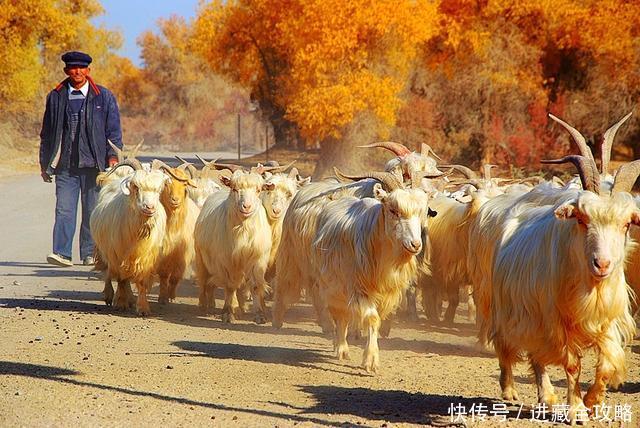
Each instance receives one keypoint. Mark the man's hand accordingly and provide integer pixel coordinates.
(45, 177)
(113, 161)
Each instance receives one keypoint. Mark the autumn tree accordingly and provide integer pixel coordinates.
(327, 71)
(498, 67)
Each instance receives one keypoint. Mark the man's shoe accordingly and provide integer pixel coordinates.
(88, 261)
(58, 260)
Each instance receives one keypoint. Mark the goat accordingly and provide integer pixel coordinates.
(128, 228)
(233, 242)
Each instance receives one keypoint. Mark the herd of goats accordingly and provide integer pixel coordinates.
(549, 267)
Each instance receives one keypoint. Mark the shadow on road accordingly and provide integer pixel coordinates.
(57, 374)
(401, 406)
(266, 354)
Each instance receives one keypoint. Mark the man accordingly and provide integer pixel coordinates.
(79, 120)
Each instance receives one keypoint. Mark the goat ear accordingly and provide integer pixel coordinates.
(192, 183)
(267, 187)
(379, 192)
(566, 211)
(635, 218)
(225, 180)
(125, 186)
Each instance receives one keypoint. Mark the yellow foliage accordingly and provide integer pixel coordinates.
(33, 35)
(320, 61)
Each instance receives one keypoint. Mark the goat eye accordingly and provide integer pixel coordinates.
(626, 226)
(393, 212)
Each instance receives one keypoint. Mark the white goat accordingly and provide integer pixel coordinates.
(128, 228)
(363, 257)
(233, 243)
(558, 286)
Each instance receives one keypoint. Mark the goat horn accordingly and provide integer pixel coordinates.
(467, 172)
(388, 180)
(158, 164)
(586, 168)
(426, 150)
(188, 167)
(626, 177)
(607, 143)
(398, 149)
(135, 150)
(585, 151)
(262, 169)
(118, 151)
(214, 165)
(131, 162)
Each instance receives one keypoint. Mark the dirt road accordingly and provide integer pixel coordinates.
(68, 360)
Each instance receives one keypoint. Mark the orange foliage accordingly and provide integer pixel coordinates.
(320, 62)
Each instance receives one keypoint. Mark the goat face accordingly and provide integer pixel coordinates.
(206, 187)
(278, 192)
(144, 189)
(405, 212)
(601, 226)
(175, 190)
(245, 191)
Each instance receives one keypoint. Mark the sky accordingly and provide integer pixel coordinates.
(133, 17)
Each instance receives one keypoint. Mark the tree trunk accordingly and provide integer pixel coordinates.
(344, 153)
(285, 132)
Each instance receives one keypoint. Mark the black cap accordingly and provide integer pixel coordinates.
(80, 59)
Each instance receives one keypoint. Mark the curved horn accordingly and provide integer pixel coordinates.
(585, 151)
(260, 169)
(204, 162)
(191, 170)
(426, 150)
(116, 149)
(586, 168)
(398, 149)
(388, 180)
(626, 177)
(467, 172)
(607, 143)
(132, 163)
(214, 165)
(158, 164)
(188, 167)
(136, 149)
(181, 159)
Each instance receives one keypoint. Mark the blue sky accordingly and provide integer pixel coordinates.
(133, 17)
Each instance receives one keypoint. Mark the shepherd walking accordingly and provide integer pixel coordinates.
(79, 120)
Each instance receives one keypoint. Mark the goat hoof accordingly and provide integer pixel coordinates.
(510, 394)
(163, 300)
(343, 352)
(228, 318)
(260, 319)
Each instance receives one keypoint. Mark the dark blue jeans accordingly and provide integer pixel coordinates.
(71, 183)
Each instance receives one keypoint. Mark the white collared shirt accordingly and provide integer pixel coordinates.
(84, 89)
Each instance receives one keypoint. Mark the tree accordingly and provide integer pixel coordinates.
(322, 68)
(498, 67)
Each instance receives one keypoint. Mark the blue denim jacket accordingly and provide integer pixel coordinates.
(103, 123)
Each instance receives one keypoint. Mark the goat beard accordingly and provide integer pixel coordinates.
(145, 230)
